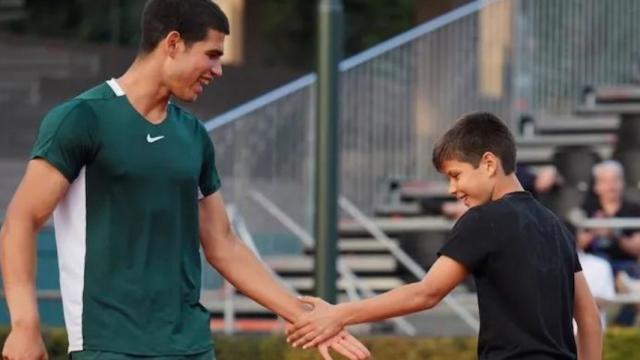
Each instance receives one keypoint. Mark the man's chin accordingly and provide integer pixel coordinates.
(190, 99)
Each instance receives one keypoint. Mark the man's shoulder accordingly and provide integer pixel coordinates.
(69, 110)
(99, 92)
(81, 104)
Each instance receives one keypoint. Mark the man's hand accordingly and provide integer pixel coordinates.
(24, 344)
(317, 326)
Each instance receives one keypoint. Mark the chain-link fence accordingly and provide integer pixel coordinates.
(505, 56)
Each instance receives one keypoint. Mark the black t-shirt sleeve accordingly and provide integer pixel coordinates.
(578, 266)
(470, 241)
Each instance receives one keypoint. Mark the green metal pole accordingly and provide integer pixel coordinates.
(327, 162)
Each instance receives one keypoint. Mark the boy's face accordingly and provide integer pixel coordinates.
(189, 69)
(474, 186)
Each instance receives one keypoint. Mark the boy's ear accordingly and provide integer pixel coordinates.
(490, 163)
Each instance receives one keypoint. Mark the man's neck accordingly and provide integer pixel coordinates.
(143, 88)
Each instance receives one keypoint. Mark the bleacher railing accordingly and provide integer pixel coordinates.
(505, 56)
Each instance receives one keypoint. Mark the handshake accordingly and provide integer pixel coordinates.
(323, 326)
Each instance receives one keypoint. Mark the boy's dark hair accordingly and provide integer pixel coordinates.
(191, 18)
(473, 135)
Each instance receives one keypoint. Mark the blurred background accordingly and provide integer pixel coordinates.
(564, 75)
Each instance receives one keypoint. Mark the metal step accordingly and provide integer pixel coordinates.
(544, 155)
(358, 245)
(399, 225)
(215, 304)
(574, 126)
(564, 140)
(375, 283)
(358, 263)
(361, 245)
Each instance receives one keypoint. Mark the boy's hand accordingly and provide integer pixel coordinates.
(344, 343)
(317, 326)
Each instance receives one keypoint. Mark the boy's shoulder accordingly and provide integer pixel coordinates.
(514, 204)
(508, 213)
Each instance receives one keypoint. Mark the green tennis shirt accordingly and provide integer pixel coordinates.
(127, 229)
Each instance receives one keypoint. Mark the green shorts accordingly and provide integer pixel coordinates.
(105, 355)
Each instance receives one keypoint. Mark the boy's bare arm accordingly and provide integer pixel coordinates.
(314, 327)
(589, 339)
(36, 197)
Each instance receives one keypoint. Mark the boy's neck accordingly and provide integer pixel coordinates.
(505, 185)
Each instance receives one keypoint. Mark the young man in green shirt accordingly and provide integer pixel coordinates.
(131, 180)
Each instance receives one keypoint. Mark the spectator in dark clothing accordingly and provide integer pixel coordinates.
(608, 201)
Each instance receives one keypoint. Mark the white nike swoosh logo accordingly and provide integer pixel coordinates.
(154, 139)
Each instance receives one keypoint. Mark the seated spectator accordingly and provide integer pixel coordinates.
(597, 272)
(628, 276)
(608, 201)
(540, 182)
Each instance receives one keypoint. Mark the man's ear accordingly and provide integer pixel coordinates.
(172, 43)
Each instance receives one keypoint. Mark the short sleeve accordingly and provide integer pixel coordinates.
(209, 181)
(577, 266)
(65, 138)
(470, 241)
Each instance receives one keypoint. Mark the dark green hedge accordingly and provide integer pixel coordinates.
(620, 344)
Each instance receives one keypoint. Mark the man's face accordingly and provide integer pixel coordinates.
(474, 186)
(194, 67)
(609, 185)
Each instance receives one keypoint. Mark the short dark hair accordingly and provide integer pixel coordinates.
(473, 135)
(191, 18)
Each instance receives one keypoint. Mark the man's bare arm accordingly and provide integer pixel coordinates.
(237, 263)
(36, 197)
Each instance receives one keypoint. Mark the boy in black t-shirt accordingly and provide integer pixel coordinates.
(530, 283)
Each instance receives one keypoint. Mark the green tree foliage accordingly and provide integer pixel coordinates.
(286, 28)
(289, 27)
(85, 20)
